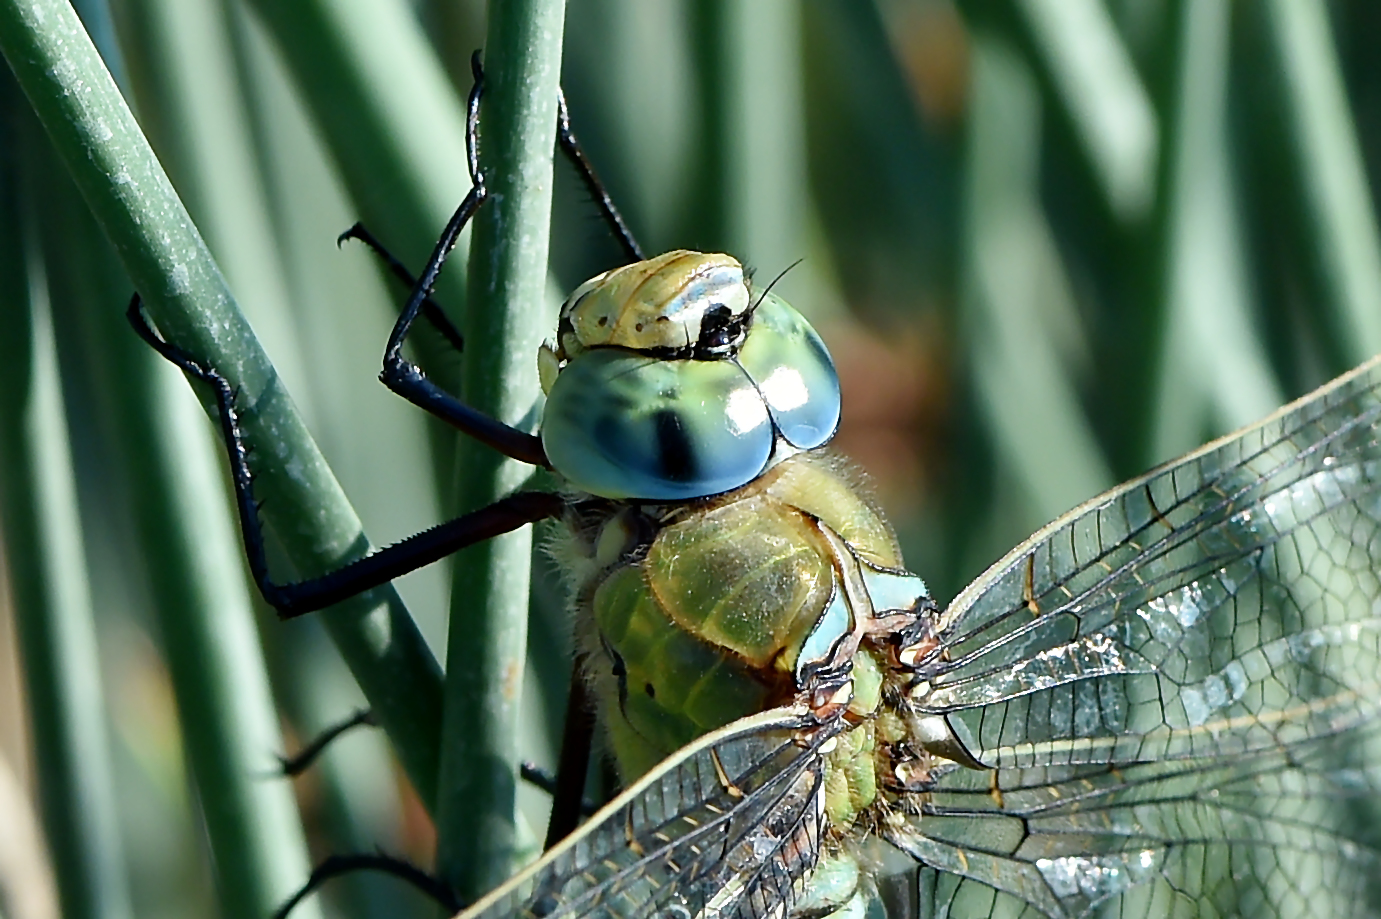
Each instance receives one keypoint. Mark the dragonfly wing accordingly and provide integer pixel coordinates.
(1176, 687)
(1292, 831)
(727, 827)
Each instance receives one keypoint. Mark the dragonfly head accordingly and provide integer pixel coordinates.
(669, 382)
(679, 304)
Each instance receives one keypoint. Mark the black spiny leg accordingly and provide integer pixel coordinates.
(531, 773)
(568, 795)
(338, 865)
(503, 516)
(404, 377)
(299, 763)
(430, 310)
(570, 147)
(565, 139)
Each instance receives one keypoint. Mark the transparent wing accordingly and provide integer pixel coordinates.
(1177, 688)
(1287, 832)
(727, 827)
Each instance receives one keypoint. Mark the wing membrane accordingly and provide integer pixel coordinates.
(1177, 686)
(727, 827)
(1293, 831)
(1221, 604)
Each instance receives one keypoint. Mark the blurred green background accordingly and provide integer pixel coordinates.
(1050, 243)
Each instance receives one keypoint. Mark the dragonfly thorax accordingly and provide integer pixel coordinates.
(693, 616)
(668, 382)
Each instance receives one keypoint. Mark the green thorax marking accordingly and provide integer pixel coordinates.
(703, 619)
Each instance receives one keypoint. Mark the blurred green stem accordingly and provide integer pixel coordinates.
(123, 184)
(47, 571)
(504, 325)
(1093, 84)
(387, 111)
(1337, 202)
(752, 115)
(205, 619)
(396, 130)
(1014, 289)
(1213, 367)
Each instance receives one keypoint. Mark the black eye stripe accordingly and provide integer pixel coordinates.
(675, 450)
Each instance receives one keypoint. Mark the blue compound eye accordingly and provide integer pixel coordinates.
(787, 360)
(626, 426)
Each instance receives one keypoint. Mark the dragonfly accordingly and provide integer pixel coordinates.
(1163, 703)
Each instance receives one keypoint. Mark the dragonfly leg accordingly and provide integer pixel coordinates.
(570, 146)
(531, 773)
(355, 577)
(298, 764)
(568, 793)
(338, 865)
(405, 378)
(565, 139)
(544, 780)
(431, 311)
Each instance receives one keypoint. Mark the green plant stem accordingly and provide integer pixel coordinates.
(1092, 83)
(393, 124)
(191, 104)
(1096, 81)
(46, 565)
(395, 129)
(387, 111)
(1213, 365)
(1328, 164)
(229, 724)
(125, 187)
(753, 124)
(205, 619)
(58, 637)
(1013, 281)
(505, 322)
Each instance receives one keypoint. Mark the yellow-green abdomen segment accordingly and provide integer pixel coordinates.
(706, 626)
(671, 686)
